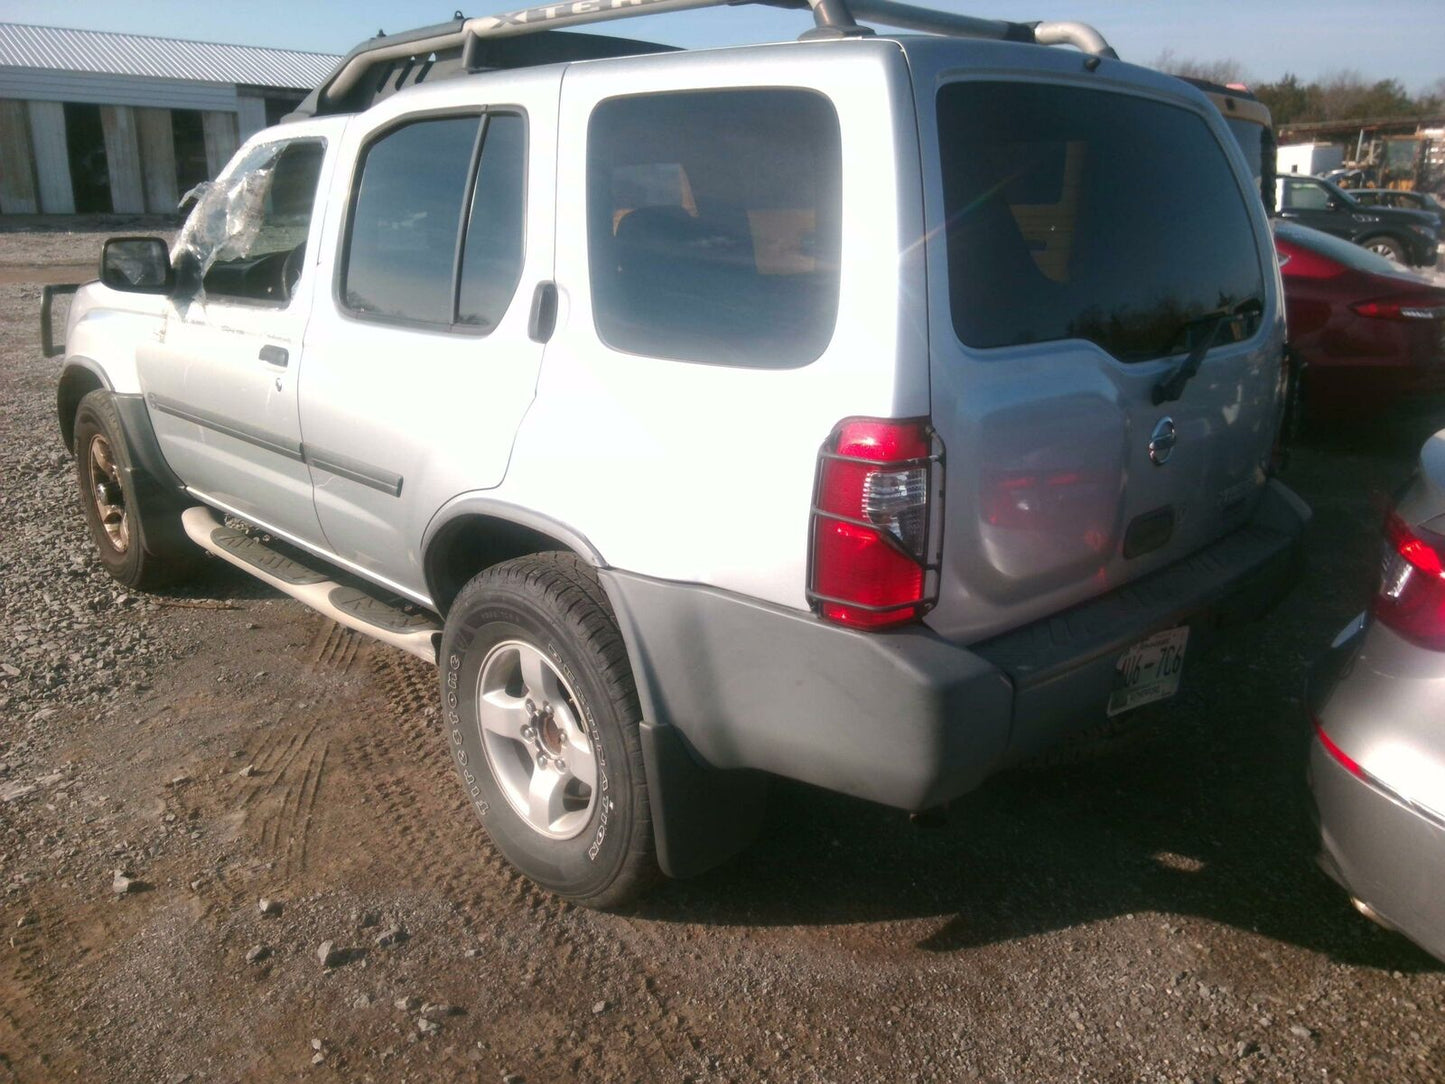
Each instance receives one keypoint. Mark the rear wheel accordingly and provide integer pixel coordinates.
(1387, 247)
(542, 719)
(137, 537)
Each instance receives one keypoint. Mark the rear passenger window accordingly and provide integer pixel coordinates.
(435, 233)
(714, 225)
(1084, 214)
(492, 254)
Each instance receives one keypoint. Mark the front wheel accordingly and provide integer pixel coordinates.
(542, 721)
(137, 535)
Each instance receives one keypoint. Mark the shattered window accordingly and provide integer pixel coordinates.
(247, 233)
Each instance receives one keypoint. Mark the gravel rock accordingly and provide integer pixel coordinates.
(598, 1008)
(11, 792)
(407, 1004)
(330, 955)
(271, 907)
(248, 771)
(426, 1026)
(256, 953)
(392, 935)
(121, 883)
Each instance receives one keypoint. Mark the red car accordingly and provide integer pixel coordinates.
(1370, 333)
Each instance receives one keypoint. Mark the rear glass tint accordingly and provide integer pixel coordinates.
(713, 225)
(1083, 214)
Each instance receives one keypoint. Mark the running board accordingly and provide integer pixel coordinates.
(416, 634)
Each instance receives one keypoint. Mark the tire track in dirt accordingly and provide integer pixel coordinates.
(417, 804)
(46, 945)
(335, 647)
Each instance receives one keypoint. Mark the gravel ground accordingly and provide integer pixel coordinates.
(1150, 913)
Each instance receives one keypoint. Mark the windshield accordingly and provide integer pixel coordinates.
(1084, 214)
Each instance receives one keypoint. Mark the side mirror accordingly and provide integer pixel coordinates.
(137, 265)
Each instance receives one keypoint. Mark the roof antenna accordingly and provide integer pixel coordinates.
(380, 33)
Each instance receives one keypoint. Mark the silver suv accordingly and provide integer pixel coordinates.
(873, 411)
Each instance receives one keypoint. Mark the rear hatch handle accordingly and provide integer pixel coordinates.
(1208, 326)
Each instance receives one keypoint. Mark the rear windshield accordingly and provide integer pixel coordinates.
(1250, 137)
(1083, 214)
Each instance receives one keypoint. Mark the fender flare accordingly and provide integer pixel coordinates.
(148, 466)
(469, 505)
(78, 375)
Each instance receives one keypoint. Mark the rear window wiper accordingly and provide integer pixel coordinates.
(1171, 387)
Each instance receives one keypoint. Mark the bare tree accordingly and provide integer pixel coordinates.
(1214, 71)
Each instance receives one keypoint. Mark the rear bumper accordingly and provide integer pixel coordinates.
(1385, 854)
(907, 718)
(1382, 832)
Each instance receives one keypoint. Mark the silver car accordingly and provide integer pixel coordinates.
(1377, 764)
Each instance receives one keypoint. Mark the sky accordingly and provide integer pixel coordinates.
(1379, 39)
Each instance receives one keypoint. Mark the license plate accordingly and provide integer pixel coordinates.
(1149, 670)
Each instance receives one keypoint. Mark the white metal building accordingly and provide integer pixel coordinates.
(102, 122)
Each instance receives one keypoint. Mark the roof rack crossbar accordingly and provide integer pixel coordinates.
(832, 18)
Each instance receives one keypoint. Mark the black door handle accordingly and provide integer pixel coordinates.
(274, 355)
(543, 320)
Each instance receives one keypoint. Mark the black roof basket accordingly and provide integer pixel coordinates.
(519, 39)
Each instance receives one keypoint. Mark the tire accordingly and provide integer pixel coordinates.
(1387, 247)
(542, 722)
(137, 534)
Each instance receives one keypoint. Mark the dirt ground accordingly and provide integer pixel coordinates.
(1151, 913)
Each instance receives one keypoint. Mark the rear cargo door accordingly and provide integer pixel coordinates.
(1084, 244)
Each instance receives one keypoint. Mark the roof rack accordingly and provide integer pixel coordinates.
(517, 39)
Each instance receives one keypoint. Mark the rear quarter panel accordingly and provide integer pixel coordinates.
(704, 473)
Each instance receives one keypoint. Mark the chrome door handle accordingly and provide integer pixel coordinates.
(275, 355)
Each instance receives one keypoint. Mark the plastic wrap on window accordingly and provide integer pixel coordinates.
(223, 224)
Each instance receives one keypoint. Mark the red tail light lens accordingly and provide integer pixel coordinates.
(870, 524)
(1402, 308)
(1411, 599)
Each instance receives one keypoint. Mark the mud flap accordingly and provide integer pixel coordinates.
(701, 816)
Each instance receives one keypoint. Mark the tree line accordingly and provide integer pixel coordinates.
(1344, 95)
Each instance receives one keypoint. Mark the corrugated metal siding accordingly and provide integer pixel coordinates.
(102, 53)
(56, 86)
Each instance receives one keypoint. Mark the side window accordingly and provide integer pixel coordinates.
(1303, 196)
(492, 251)
(411, 205)
(245, 228)
(714, 225)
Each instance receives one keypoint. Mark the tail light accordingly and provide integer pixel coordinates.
(1402, 308)
(1411, 599)
(872, 522)
(1344, 759)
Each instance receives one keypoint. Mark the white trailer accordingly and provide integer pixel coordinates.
(1310, 159)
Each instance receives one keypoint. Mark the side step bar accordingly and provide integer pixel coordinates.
(417, 634)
